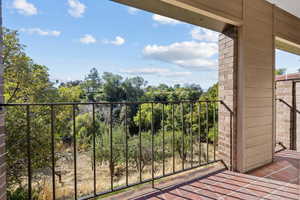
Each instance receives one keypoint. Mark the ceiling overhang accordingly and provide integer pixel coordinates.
(287, 45)
(179, 11)
(206, 14)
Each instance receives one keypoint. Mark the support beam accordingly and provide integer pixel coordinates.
(256, 61)
(168, 9)
(288, 46)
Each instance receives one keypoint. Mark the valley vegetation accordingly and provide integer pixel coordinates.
(28, 82)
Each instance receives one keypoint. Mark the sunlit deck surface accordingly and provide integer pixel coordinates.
(279, 180)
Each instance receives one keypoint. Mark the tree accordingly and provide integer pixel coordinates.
(280, 71)
(25, 81)
(111, 89)
(92, 84)
(133, 88)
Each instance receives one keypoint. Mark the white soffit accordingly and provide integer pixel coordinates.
(292, 6)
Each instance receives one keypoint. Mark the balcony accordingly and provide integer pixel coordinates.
(109, 146)
(279, 180)
(211, 149)
(173, 153)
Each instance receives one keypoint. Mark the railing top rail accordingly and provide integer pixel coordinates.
(109, 103)
(288, 105)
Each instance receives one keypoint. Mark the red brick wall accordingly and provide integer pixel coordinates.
(227, 93)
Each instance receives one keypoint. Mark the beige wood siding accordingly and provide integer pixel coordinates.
(256, 85)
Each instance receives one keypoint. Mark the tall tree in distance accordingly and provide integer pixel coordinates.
(92, 84)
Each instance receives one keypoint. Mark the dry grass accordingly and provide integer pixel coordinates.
(85, 184)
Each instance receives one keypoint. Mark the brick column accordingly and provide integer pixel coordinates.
(2, 135)
(227, 93)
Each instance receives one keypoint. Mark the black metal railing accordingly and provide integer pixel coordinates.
(292, 119)
(189, 124)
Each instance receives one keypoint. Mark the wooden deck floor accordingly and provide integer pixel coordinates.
(279, 180)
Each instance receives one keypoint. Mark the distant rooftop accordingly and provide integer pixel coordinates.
(286, 77)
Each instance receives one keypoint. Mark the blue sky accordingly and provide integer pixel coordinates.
(72, 36)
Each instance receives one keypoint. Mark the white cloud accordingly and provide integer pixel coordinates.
(190, 54)
(41, 32)
(157, 72)
(118, 41)
(132, 10)
(88, 39)
(165, 20)
(204, 34)
(24, 7)
(76, 9)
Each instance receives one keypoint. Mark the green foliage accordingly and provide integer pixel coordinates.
(91, 85)
(176, 93)
(150, 113)
(104, 147)
(26, 81)
(70, 94)
(20, 194)
(280, 71)
(134, 153)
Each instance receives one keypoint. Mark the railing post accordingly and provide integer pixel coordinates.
(111, 164)
(52, 113)
(126, 144)
(28, 137)
(140, 142)
(94, 149)
(294, 119)
(199, 133)
(173, 138)
(152, 145)
(74, 149)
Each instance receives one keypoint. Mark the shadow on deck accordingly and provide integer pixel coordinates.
(278, 180)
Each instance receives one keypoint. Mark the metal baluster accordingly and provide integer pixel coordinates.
(191, 134)
(94, 150)
(207, 131)
(111, 148)
(173, 138)
(53, 152)
(231, 141)
(140, 142)
(126, 140)
(152, 145)
(182, 120)
(74, 150)
(214, 129)
(199, 132)
(163, 126)
(29, 152)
